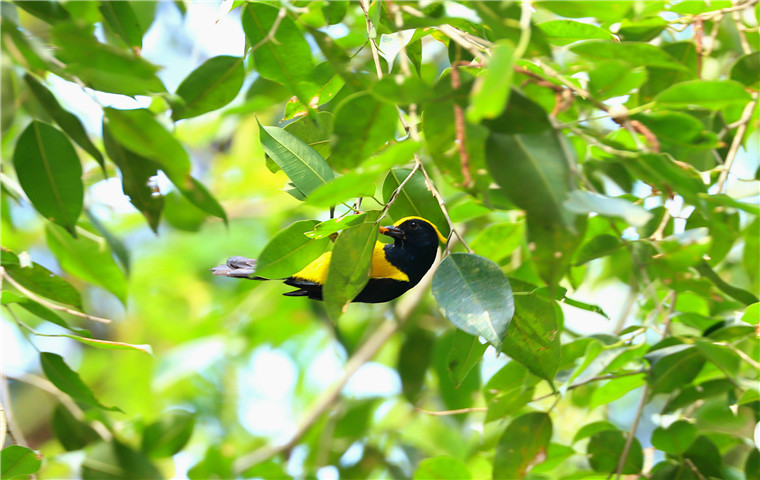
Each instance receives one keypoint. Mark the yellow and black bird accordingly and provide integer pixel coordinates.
(396, 267)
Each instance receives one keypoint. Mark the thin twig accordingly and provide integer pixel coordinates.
(694, 468)
(444, 413)
(610, 376)
(736, 143)
(42, 301)
(368, 350)
(460, 127)
(475, 45)
(373, 46)
(698, 34)
(632, 433)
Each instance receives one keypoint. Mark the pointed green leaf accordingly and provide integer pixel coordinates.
(533, 336)
(305, 168)
(209, 87)
(115, 460)
(287, 57)
(41, 311)
(41, 281)
(70, 431)
(50, 173)
(362, 125)
(329, 227)
(290, 250)
(466, 352)
(65, 119)
(350, 265)
(606, 447)
(562, 32)
(139, 131)
(614, 389)
(676, 438)
(136, 173)
(711, 94)
(442, 468)
(522, 445)
(633, 53)
(674, 366)
(16, 461)
(120, 18)
(745, 70)
(491, 91)
(475, 295)
(168, 436)
(199, 196)
(87, 259)
(68, 381)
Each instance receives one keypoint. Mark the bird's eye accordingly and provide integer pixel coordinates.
(414, 226)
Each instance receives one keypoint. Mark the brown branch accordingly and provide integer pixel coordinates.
(736, 143)
(632, 433)
(460, 127)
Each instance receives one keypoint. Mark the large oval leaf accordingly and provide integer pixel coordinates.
(350, 265)
(168, 435)
(65, 119)
(290, 250)
(121, 19)
(533, 337)
(712, 94)
(68, 381)
(40, 280)
(475, 295)
(17, 461)
(49, 171)
(210, 86)
(286, 58)
(362, 125)
(301, 163)
(522, 445)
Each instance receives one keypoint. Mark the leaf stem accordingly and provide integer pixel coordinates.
(4, 275)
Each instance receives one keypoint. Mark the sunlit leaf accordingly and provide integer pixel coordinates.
(120, 18)
(16, 461)
(491, 91)
(676, 438)
(442, 468)
(562, 32)
(50, 173)
(290, 250)
(40, 280)
(712, 94)
(209, 87)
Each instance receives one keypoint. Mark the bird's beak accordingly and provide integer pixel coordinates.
(392, 231)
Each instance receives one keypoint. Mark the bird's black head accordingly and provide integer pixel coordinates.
(414, 232)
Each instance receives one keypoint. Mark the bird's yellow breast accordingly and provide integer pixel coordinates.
(316, 271)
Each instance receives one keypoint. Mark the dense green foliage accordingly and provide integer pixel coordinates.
(594, 166)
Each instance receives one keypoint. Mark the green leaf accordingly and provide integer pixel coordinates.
(120, 18)
(615, 389)
(591, 428)
(509, 390)
(499, 241)
(168, 435)
(466, 352)
(745, 70)
(41, 281)
(674, 366)
(290, 250)
(442, 467)
(599, 246)
(350, 265)
(303, 166)
(147, 137)
(329, 227)
(522, 445)
(676, 438)
(50, 173)
(414, 358)
(533, 336)
(357, 182)
(721, 356)
(606, 447)
(136, 173)
(533, 170)
(70, 431)
(22, 49)
(68, 381)
(553, 246)
(579, 201)
(641, 30)
(414, 199)
(209, 87)
(474, 294)
(287, 57)
(704, 454)
(314, 130)
(740, 294)
(633, 53)
(41, 311)
(103, 67)
(65, 119)
(16, 461)
(199, 196)
(752, 465)
(612, 12)
(50, 11)
(562, 32)
(710, 94)
(613, 78)
(491, 91)
(87, 259)
(752, 314)
(109, 345)
(362, 125)
(117, 461)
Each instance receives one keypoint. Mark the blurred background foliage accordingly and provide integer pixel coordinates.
(630, 239)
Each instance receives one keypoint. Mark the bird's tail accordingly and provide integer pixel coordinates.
(238, 267)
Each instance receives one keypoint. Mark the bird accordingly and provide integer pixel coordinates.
(396, 267)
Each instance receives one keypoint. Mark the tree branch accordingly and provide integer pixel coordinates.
(736, 143)
(632, 433)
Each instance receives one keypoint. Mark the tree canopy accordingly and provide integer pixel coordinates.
(594, 167)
